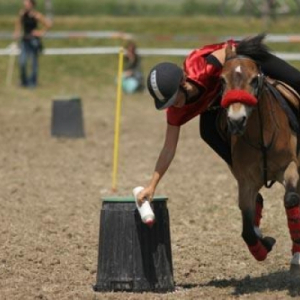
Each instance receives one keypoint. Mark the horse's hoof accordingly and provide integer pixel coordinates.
(291, 199)
(259, 251)
(295, 264)
(295, 270)
(268, 242)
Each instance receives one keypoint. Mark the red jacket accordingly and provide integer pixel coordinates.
(202, 74)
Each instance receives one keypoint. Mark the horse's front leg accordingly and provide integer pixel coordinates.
(258, 213)
(257, 245)
(292, 208)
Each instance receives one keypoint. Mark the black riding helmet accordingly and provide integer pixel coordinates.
(163, 83)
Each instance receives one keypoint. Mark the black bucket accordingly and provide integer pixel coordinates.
(67, 118)
(133, 257)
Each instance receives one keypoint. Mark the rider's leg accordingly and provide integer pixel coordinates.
(279, 69)
(211, 135)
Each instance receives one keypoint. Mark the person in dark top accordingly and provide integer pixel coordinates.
(133, 79)
(27, 27)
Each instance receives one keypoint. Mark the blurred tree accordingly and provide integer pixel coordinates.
(262, 8)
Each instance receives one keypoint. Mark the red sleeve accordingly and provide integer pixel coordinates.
(204, 74)
(198, 70)
(179, 116)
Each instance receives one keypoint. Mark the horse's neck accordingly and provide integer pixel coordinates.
(263, 119)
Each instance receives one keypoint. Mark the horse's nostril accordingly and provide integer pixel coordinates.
(237, 126)
(240, 122)
(243, 121)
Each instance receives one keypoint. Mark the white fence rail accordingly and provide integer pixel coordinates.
(114, 50)
(5, 35)
(270, 38)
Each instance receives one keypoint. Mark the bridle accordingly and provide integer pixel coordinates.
(260, 76)
(257, 92)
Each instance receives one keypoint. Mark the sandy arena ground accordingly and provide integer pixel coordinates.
(50, 191)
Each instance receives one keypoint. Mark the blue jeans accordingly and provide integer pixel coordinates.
(28, 52)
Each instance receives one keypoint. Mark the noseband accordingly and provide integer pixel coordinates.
(241, 96)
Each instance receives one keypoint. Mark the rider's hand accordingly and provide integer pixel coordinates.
(146, 193)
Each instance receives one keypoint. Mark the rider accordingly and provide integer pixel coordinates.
(192, 91)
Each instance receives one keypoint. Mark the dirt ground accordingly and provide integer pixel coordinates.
(50, 201)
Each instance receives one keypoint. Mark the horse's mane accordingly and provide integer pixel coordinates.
(253, 47)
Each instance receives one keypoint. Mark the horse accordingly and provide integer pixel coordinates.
(264, 149)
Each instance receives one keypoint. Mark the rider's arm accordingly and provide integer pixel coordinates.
(164, 160)
(220, 56)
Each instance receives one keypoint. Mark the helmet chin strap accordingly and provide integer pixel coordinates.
(184, 91)
(192, 100)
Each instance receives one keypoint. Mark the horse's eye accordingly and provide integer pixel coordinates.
(254, 82)
(223, 83)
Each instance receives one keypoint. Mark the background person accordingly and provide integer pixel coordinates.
(191, 91)
(27, 27)
(132, 79)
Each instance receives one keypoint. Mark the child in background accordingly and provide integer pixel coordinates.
(133, 79)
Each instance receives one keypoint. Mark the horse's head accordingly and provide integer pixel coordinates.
(241, 81)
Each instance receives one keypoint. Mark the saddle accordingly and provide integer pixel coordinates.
(289, 100)
(291, 95)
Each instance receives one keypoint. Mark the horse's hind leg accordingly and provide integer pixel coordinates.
(292, 208)
(257, 245)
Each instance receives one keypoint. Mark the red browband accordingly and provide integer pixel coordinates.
(241, 96)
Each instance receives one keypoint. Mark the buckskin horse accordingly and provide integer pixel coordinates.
(262, 129)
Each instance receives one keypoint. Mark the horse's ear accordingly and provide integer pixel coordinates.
(229, 52)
